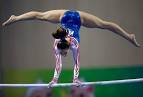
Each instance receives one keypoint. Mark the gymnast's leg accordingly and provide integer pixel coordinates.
(92, 21)
(52, 16)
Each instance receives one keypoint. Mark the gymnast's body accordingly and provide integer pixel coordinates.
(67, 35)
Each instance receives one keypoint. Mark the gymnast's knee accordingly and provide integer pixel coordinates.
(107, 25)
(37, 14)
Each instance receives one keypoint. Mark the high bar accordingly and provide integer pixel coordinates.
(74, 84)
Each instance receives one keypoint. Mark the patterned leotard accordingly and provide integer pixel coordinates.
(71, 21)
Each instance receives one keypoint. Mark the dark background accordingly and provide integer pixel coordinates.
(28, 44)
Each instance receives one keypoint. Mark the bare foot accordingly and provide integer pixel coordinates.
(134, 41)
(10, 20)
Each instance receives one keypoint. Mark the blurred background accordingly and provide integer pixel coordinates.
(26, 48)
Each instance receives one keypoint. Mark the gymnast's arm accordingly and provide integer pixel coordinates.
(50, 16)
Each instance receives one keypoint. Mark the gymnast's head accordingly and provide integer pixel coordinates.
(63, 46)
(63, 43)
(61, 33)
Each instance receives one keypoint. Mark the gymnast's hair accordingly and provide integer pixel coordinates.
(61, 34)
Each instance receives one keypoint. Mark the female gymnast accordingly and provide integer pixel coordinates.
(67, 35)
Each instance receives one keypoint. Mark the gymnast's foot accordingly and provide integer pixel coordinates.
(9, 21)
(134, 41)
(77, 81)
(54, 81)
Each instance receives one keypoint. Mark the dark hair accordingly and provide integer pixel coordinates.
(63, 44)
(60, 33)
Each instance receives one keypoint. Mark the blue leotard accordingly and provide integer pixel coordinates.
(71, 21)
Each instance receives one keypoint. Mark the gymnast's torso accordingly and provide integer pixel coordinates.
(71, 21)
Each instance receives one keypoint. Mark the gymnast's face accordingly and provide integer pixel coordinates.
(64, 52)
(64, 46)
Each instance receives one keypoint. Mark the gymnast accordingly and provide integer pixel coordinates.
(67, 35)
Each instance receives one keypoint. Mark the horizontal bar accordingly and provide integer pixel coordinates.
(74, 84)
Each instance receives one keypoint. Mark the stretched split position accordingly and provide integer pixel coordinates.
(67, 35)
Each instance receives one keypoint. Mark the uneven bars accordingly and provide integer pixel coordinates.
(74, 84)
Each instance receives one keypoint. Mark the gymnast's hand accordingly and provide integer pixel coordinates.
(51, 84)
(10, 20)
